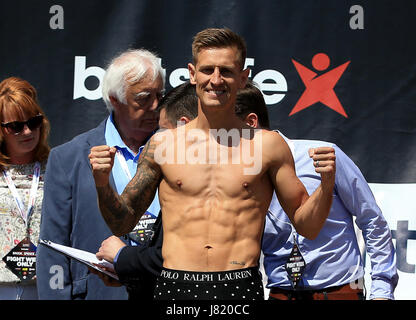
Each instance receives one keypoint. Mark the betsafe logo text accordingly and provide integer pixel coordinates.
(319, 82)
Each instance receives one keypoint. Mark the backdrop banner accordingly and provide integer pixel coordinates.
(339, 71)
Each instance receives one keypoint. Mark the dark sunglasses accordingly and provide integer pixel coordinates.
(16, 127)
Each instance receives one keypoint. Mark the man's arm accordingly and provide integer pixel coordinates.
(122, 212)
(135, 263)
(307, 213)
(357, 197)
(53, 269)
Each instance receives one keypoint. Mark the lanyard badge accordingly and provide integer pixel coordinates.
(295, 265)
(21, 260)
(143, 232)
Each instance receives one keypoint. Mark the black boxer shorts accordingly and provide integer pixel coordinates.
(242, 284)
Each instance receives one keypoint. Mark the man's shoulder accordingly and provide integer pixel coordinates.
(94, 135)
(275, 148)
(271, 138)
(312, 143)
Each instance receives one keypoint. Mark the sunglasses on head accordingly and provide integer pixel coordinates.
(15, 127)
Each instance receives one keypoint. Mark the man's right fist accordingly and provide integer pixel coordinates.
(102, 160)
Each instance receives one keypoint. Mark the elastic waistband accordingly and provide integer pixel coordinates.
(209, 277)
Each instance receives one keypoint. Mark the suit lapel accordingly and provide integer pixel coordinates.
(97, 138)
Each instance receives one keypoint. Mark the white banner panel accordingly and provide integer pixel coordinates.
(397, 202)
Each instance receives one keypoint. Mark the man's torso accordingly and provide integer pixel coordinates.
(213, 211)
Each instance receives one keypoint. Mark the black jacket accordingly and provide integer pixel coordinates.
(138, 266)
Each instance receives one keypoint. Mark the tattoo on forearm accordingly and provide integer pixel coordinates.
(113, 208)
(122, 213)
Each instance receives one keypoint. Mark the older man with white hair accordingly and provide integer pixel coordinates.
(132, 86)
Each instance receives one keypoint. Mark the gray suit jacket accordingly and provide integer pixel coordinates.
(70, 216)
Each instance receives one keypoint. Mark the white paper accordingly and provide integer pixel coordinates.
(85, 257)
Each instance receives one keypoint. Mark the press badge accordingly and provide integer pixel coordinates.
(143, 232)
(295, 265)
(21, 260)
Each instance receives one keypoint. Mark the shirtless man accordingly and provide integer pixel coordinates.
(213, 210)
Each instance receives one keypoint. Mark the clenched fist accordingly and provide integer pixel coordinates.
(324, 162)
(102, 160)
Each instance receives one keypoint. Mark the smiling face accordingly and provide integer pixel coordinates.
(218, 76)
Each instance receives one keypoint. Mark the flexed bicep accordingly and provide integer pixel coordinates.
(290, 191)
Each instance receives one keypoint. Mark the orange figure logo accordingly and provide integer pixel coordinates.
(321, 88)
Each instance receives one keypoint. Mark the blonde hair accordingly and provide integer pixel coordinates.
(19, 97)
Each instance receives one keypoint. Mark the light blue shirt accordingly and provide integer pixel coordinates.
(333, 258)
(112, 138)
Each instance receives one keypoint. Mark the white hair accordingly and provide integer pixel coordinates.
(129, 67)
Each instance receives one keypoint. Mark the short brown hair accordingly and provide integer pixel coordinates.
(20, 97)
(219, 38)
(250, 99)
(181, 101)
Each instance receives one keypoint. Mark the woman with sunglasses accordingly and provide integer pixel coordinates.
(23, 154)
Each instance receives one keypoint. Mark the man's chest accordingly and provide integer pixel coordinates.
(218, 180)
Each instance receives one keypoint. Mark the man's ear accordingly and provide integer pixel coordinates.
(252, 120)
(192, 71)
(184, 119)
(114, 102)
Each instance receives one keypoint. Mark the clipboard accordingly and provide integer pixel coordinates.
(85, 257)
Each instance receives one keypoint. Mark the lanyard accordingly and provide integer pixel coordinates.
(32, 196)
(295, 264)
(123, 162)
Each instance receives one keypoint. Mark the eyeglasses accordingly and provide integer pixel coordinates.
(15, 127)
